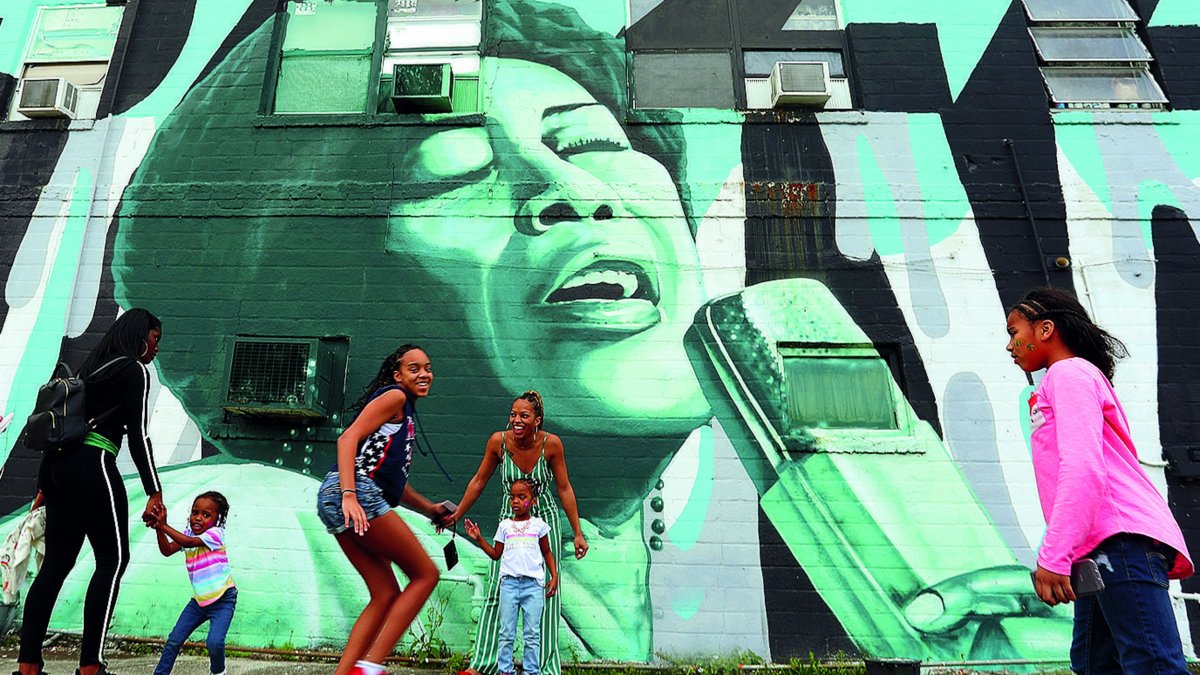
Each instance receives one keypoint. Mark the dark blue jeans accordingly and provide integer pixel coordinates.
(219, 614)
(1129, 627)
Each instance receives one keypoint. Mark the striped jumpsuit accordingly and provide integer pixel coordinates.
(487, 639)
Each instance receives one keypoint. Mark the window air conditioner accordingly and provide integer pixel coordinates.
(800, 82)
(422, 87)
(48, 97)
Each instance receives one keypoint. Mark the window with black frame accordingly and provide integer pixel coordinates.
(739, 54)
(1091, 56)
(379, 56)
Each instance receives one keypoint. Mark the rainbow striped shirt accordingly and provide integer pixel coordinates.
(208, 566)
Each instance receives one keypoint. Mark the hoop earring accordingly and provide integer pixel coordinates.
(145, 349)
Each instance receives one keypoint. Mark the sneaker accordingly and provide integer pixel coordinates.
(103, 670)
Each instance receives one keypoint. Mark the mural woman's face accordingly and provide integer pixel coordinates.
(568, 250)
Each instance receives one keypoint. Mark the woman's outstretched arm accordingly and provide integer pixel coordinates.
(487, 467)
(566, 494)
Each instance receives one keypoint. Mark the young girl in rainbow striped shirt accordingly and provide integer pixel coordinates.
(214, 595)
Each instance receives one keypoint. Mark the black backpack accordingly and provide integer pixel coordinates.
(58, 417)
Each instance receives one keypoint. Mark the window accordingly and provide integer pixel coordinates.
(1091, 55)
(814, 15)
(837, 388)
(66, 62)
(342, 56)
(680, 62)
(691, 79)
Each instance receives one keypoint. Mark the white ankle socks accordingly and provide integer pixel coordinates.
(368, 668)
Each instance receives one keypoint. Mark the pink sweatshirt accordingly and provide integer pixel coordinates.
(1088, 477)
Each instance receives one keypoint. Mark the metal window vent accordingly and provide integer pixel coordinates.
(800, 82)
(422, 87)
(279, 377)
(48, 97)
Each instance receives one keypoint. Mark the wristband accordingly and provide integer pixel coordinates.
(353, 492)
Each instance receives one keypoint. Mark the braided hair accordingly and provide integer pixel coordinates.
(530, 483)
(385, 376)
(534, 399)
(1079, 333)
(222, 505)
(125, 337)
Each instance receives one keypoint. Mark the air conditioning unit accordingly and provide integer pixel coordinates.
(422, 87)
(800, 83)
(279, 377)
(48, 97)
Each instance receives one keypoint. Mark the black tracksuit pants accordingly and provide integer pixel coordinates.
(85, 498)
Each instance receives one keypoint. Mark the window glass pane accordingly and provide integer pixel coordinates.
(1105, 85)
(424, 34)
(688, 80)
(839, 392)
(460, 64)
(434, 9)
(75, 34)
(1089, 44)
(323, 83)
(813, 15)
(419, 24)
(759, 64)
(1080, 10)
(341, 25)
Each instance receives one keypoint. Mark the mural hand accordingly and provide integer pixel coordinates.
(581, 546)
(980, 595)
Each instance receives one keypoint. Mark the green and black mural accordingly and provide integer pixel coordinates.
(770, 338)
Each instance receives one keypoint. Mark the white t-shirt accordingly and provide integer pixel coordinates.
(522, 555)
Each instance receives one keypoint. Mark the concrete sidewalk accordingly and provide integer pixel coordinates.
(192, 665)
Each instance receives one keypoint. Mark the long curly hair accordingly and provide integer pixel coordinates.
(385, 376)
(1079, 333)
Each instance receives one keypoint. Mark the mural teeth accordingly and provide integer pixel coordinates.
(626, 281)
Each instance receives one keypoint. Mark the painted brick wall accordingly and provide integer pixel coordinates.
(654, 274)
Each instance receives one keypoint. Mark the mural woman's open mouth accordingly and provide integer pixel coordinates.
(609, 293)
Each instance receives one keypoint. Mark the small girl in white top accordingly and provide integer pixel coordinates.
(522, 544)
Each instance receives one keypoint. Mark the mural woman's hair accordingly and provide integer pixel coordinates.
(391, 363)
(126, 337)
(221, 502)
(1079, 333)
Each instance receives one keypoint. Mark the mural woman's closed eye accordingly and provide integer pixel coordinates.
(579, 129)
(450, 158)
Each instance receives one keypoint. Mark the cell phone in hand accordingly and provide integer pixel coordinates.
(1085, 578)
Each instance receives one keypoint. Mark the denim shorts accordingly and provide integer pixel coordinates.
(329, 501)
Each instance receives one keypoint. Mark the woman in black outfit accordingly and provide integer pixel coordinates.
(84, 494)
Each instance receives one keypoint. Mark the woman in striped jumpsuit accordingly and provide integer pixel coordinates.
(523, 450)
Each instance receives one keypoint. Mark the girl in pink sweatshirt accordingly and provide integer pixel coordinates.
(1097, 500)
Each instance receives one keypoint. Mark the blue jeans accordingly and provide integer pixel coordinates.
(526, 595)
(219, 613)
(1129, 627)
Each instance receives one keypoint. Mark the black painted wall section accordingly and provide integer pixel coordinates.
(1005, 99)
(155, 42)
(898, 67)
(1177, 295)
(1176, 51)
(678, 24)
